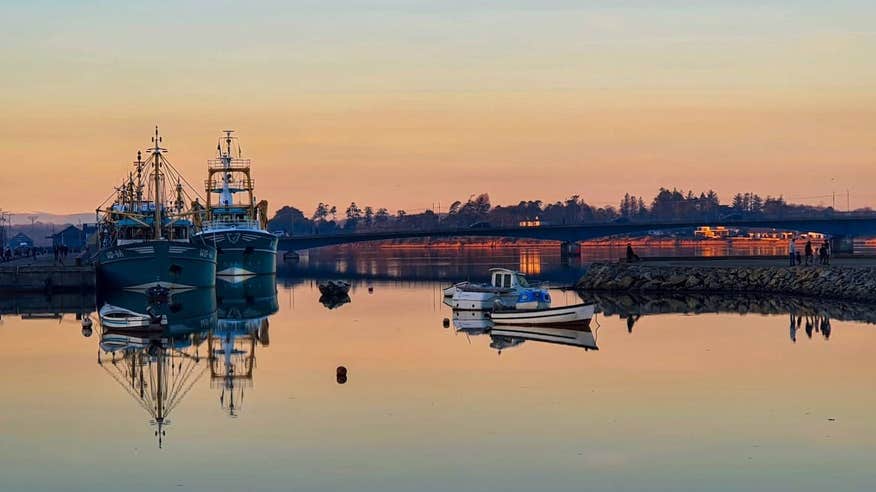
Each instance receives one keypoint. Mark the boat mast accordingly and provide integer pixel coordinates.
(156, 165)
(139, 181)
(226, 199)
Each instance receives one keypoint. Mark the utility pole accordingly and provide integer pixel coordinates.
(848, 201)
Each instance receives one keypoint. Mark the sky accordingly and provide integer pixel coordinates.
(408, 104)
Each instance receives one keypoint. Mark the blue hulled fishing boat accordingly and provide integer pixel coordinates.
(145, 235)
(236, 224)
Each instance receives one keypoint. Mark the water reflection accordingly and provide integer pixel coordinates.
(502, 337)
(158, 358)
(819, 323)
(812, 316)
(157, 364)
(438, 264)
(578, 335)
(244, 306)
(319, 387)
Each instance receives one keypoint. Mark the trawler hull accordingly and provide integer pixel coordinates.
(174, 265)
(242, 252)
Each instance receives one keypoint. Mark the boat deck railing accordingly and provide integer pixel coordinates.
(215, 185)
(235, 165)
(237, 224)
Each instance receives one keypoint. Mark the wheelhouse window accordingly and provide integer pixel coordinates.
(521, 280)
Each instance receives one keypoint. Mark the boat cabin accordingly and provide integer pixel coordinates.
(133, 231)
(507, 279)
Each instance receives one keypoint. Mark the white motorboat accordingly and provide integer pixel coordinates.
(507, 288)
(547, 317)
(449, 291)
(118, 317)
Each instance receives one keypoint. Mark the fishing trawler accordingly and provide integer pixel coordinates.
(236, 227)
(145, 234)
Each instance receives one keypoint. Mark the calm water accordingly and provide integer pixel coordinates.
(670, 400)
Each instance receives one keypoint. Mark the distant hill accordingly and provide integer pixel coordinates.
(23, 218)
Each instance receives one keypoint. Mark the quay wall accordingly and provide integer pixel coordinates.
(828, 282)
(32, 278)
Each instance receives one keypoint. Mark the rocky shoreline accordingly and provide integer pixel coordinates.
(830, 282)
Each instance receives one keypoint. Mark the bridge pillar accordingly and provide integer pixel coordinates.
(570, 250)
(842, 244)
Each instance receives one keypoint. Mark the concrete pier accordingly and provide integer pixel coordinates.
(41, 275)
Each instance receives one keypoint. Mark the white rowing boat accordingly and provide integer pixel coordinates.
(118, 317)
(550, 316)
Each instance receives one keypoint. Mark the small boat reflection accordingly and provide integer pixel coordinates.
(334, 301)
(244, 308)
(574, 335)
(157, 364)
(502, 337)
(472, 322)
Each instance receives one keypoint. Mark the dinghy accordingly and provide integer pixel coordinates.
(118, 317)
(546, 317)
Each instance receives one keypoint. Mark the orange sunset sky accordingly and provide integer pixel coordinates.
(403, 104)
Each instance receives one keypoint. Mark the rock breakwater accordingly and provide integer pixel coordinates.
(850, 283)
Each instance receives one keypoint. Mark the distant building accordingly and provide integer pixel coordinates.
(706, 232)
(20, 241)
(536, 222)
(72, 237)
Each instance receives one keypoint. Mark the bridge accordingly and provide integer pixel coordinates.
(839, 228)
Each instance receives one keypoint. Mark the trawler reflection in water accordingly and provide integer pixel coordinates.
(503, 337)
(244, 307)
(159, 363)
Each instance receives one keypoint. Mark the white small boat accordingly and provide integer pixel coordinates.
(449, 291)
(507, 288)
(549, 316)
(119, 317)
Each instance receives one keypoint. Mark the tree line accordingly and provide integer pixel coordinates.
(478, 211)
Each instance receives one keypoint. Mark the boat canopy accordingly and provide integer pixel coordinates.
(503, 277)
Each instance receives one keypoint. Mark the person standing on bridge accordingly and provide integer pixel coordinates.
(792, 250)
